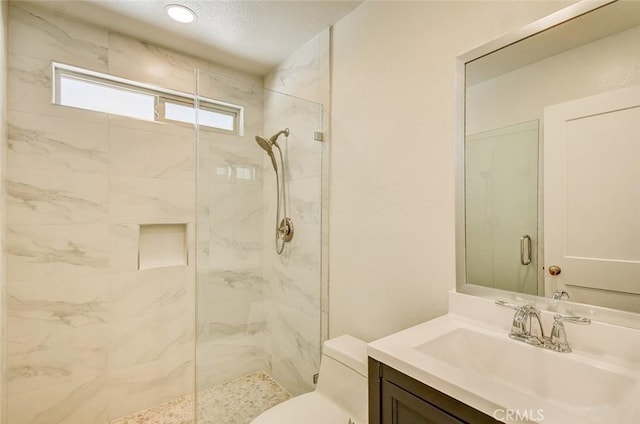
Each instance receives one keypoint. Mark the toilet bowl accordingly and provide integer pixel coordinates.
(341, 392)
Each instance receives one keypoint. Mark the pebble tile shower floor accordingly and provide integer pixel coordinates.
(235, 402)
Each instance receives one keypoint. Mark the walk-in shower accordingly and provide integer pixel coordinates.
(284, 225)
(140, 276)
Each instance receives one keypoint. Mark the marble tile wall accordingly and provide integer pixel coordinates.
(57, 233)
(4, 9)
(257, 309)
(296, 295)
(292, 293)
(230, 310)
(91, 337)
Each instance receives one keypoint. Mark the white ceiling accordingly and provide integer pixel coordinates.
(253, 36)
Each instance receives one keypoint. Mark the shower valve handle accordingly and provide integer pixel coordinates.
(286, 229)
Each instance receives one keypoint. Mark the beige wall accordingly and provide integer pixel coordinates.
(4, 11)
(392, 254)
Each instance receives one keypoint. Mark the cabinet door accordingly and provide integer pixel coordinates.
(401, 407)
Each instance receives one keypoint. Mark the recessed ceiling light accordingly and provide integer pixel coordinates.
(180, 13)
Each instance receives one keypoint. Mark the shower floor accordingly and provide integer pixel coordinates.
(236, 402)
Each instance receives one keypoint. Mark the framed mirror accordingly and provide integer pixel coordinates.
(548, 163)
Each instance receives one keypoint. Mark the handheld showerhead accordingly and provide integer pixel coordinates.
(266, 145)
(284, 226)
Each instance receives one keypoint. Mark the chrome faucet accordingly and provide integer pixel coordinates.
(527, 327)
(560, 294)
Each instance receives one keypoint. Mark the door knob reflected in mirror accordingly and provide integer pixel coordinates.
(555, 270)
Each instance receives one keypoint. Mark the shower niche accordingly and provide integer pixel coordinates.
(162, 245)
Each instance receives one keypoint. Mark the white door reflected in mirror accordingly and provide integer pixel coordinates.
(592, 198)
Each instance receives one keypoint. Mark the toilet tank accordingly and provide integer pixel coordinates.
(343, 375)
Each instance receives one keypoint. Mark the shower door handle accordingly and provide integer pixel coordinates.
(525, 250)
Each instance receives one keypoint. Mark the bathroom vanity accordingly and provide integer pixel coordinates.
(395, 398)
(484, 362)
(464, 367)
(565, 195)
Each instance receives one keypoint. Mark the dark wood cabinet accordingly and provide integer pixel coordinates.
(395, 398)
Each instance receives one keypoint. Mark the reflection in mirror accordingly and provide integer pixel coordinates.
(565, 196)
(501, 207)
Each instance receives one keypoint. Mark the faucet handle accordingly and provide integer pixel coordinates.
(527, 325)
(514, 306)
(558, 337)
(558, 318)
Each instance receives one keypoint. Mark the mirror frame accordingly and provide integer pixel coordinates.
(599, 313)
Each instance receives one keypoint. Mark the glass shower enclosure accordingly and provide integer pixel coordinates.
(501, 190)
(258, 313)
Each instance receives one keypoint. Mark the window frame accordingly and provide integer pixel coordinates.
(203, 105)
(161, 95)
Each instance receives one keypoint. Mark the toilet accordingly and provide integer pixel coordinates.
(341, 394)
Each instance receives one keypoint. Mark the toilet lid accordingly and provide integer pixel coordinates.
(310, 408)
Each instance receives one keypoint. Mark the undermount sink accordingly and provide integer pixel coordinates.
(530, 370)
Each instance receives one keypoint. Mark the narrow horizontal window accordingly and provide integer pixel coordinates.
(99, 92)
(92, 95)
(207, 116)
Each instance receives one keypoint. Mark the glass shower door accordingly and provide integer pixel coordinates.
(502, 208)
(257, 312)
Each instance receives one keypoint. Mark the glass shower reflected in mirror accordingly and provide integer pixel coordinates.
(258, 326)
(501, 185)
